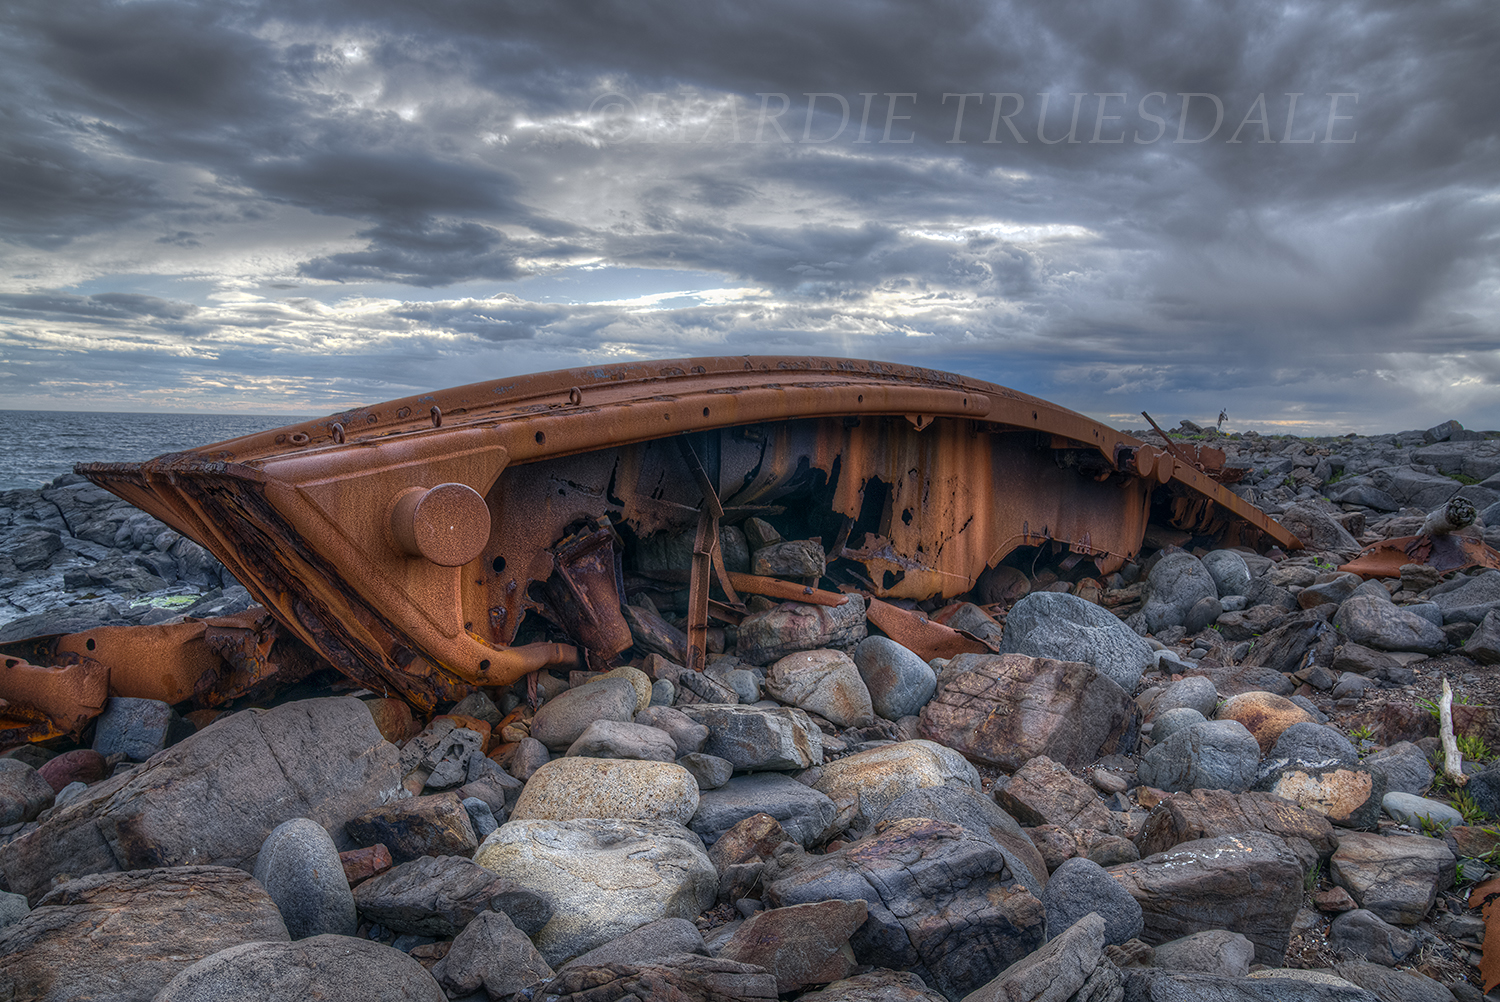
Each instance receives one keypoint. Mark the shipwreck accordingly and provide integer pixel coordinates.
(470, 537)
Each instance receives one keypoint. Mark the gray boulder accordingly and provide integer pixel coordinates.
(1313, 742)
(1359, 932)
(766, 637)
(1371, 621)
(755, 738)
(1049, 624)
(1212, 951)
(329, 968)
(980, 816)
(439, 895)
(1469, 600)
(23, 792)
(1230, 572)
(1318, 529)
(1080, 886)
(490, 954)
(1177, 583)
(1194, 691)
(624, 739)
(899, 682)
(1405, 766)
(299, 867)
(1172, 721)
(1214, 755)
(563, 718)
(803, 812)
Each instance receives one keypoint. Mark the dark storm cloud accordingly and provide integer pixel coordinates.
(101, 305)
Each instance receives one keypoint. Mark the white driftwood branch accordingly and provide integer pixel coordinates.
(1453, 763)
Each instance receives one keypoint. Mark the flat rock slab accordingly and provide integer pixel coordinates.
(123, 936)
(1043, 792)
(218, 793)
(1184, 817)
(757, 739)
(942, 901)
(1395, 876)
(439, 895)
(1249, 883)
(604, 877)
(1149, 985)
(686, 977)
(1007, 709)
(801, 944)
(328, 968)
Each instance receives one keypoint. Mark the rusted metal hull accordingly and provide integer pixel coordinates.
(406, 541)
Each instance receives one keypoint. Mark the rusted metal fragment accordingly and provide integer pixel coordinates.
(255, 655)
(919, 634)
(1445, 552)
(924, 478)
(69, 694)
(161, 662)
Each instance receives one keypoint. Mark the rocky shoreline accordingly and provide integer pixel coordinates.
(1211, 775)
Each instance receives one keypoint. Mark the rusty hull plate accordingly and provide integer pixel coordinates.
(348, 528)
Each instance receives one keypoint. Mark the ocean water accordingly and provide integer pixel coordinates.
(38, 446)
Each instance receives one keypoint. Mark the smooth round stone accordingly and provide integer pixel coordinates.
(329, 968)
(1264, 714)
(637, 678)
(1194, 691)
(567, 788)
(481, 816)
(567, 715)
(876, 778)
(624, 739)
(663, 693)
(1409, 809)
(1080, 886)
(1172, 721)
(1230, 572)
(300, 869)
(900, 682)
(710, 771)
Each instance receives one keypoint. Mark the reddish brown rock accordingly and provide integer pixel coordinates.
(393, 718)
(1042, 792)
(801, 945)
(1184, 817)
(123, 936)
(362, 864)
(1006, 709)
(1058, 845)
(1334, 900)
(1264, 714)
(82, 765)
(682, 977)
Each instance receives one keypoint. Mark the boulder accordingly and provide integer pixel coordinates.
(1059, 970)
(81, 765)
(1049, 624)
(223, 790)
(329, 968)
(1177, 583)
(1318, 529)
(1359, 932)
(126, 935)
(688, 736)
(754, 738)
(299, 867)
(1405, 766)
(1371, 621)
(1330, 592)
(136, 728)
(1312, 742)
(1468, 600)
(1399, 986)
(765, 637)
(1080, 887)
(800, 944)
(623, 739)
(490, 953)
(439, 895)
(1193, 691)
(802, 811)
(1347, 795)
(709, 771)
(436, 825)
(1230, 572)
(1214, 755)
(1212, 951)
(563, 718)
(1151, 985)
(24, 792)
(1419, 812)
(609, 788)
(1264, 714)
(981, 816)
(1007, 709)
(1042, 792)
(685, 976)
(1293, 643)
(1204, 814)
(823, 682)
(1397, 877)
(794, 558)
(942, 902)
(1483, 644)
(899, 682)
(1250, 883)
(661, 938)
(1172, 721)
(876, 778)
(604, 877)
(879, 985)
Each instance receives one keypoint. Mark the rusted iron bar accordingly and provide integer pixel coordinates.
(1172, 446)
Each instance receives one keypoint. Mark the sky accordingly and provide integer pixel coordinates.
(1286, 211)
